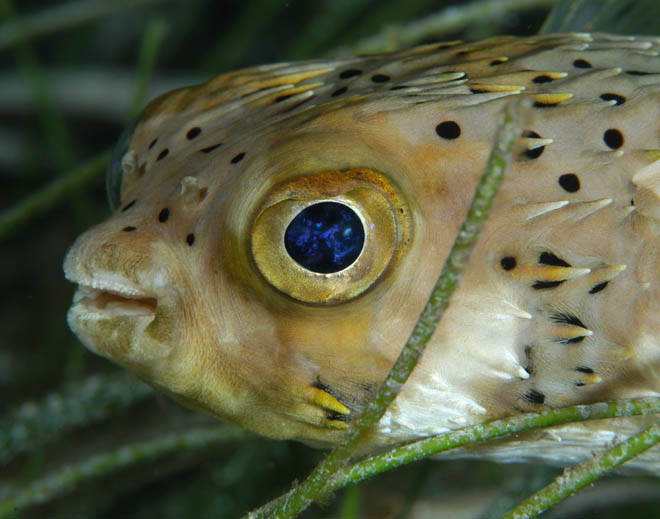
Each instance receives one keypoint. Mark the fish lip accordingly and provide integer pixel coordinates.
(109, 295)
(114, 303)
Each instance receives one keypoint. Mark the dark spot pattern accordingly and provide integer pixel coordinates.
(584, 369)
(572, 320)
(339, 91)
(238, 158)
(544, 105)
(568, 319)
(496, 62)
(597, 288)
(399, 87)
(333, 415)
(163, 215)
(448, 130)
(609, 96)
(579, 384)
(637, 73)
(581, 63)
(542, 79)
(128, 206)
(163, 154)
(153, 143)
(534, 396)
(284, 97)
(380, 78)
(193, 133)
(209, 149)
(544, 285)
(129, 228)
(569, 182)
(508, 263)
(190, 239)
(613, 138)
(349, 73)
(548, 258)
(478, 91)
(536, 152)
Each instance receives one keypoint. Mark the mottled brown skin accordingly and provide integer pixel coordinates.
(573, 320)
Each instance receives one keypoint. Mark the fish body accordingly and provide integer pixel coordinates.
(278, 230)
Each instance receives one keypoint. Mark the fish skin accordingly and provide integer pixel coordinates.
(557, 306)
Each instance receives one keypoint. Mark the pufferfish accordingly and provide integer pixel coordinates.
(277, 231)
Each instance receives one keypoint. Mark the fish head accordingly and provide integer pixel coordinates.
(272, 279)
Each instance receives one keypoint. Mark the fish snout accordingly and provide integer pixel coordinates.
(120, 309)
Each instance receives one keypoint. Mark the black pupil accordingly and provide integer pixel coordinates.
(325, 237)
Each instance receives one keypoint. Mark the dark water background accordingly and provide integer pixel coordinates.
(65, 95)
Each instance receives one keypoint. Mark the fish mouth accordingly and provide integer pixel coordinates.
(112, 298)
(114, 302)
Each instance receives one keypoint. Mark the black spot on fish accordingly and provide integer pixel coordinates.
(637, 73)
(349, 73)
(548, 258)
(193, 133)
(153, 143)
(448, 130)
(534, 396)
(613, 138)
(568, 319)
(581, 63)
(238, 158)
(496, 62)
(597, 288)
(544, 285)
(584, 369)
(619, 99)
(209, 149)
(339, 91)
(508, 263)
(190, 239)
(162, 154)
(128, 206)
(129, 228)
(380, 78)
(569, 182)
(163, 215)
(542, 79)
(284, 97)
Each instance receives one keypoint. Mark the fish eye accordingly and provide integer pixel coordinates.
(328, 237)
(119, 162)
(325, 237)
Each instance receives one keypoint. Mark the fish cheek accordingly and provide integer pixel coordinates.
(121, 339)
(336, 344)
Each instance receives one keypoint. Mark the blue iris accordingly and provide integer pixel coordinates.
(325, 237)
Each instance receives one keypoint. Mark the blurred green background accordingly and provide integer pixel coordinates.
(72, 74)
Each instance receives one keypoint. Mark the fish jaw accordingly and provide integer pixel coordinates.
(119, 311)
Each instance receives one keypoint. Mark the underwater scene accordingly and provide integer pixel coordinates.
(318, 291)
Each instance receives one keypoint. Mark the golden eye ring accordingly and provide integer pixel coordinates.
(383, 215)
